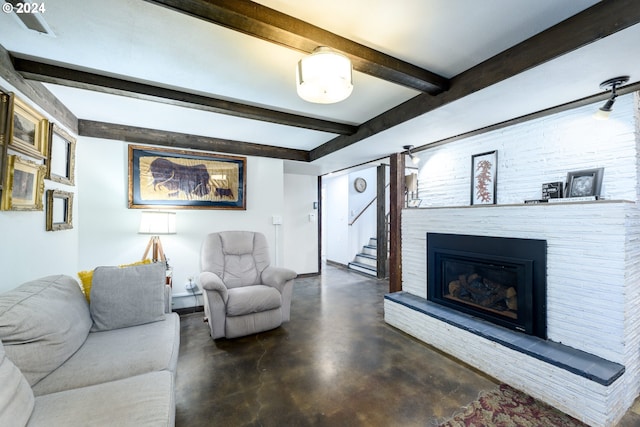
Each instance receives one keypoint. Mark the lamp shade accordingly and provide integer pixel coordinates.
(411, 182)
(154, 222)
(324, 77)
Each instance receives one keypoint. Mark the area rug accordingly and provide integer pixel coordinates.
(508, 407)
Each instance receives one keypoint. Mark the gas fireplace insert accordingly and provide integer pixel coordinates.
(502, 280)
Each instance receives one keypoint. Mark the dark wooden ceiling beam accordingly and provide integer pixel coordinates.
(33, 69)
(139, 135)
(37, 93)
(531, 116)
(601, 20)
(276, 27)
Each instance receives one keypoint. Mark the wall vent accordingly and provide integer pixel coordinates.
(32, 21)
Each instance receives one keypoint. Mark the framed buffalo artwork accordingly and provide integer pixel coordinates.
(185, 179)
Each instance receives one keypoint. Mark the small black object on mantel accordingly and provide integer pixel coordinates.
(553, 190)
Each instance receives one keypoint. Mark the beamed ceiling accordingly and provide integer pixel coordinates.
(219, 75)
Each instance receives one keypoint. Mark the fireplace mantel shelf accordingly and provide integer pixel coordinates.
(591, 202)
(578, 362)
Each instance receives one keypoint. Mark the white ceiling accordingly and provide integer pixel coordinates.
(153, 44)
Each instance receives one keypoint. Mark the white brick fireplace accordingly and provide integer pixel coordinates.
(593, 257)
(592, 298)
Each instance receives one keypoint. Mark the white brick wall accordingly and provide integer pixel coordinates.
(535, 152)
(585, 262)
(593, 259)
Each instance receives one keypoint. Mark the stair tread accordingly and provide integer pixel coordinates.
(362, 254)
(361, 265)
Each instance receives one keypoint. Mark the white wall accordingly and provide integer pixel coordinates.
(343, 203)
(27, 251)
(109, 229)
(335, 224)
(301, 223)
(105, 230)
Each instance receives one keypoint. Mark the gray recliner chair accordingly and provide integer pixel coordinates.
(242, 293)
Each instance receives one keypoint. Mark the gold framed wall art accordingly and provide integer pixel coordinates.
(162, 178)
(59, 210)
(61, 156)
(23, 185)
(29, 131)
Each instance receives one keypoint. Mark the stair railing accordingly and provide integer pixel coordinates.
(353, 221)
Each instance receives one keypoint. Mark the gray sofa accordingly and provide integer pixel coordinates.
(65, 362)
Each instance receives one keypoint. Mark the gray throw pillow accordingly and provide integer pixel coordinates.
(129, 296)
(16, 397)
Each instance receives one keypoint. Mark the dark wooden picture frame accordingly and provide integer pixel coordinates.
(584, 183)
(29, 130)
(5, 111)
(23, 185)
(178, 179)
(484, 178)
(61, 156)
(59, 210)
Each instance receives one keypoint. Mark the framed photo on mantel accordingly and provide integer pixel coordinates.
(484, 176)
(584, 183)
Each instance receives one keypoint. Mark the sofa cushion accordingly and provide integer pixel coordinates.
(116, 354)
(16, 397)
(252, 299)
(123, 297)
(42, 323)
(143, 400)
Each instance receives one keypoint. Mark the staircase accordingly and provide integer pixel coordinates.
(366, 261)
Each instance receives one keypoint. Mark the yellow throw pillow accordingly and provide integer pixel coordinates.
(86, 277)
(144, 261)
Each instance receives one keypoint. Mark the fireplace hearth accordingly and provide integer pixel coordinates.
(502, 280)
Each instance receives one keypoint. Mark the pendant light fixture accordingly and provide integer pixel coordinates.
(612, 84)
(324, 77)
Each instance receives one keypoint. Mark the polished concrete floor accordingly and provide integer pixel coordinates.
(335, 364)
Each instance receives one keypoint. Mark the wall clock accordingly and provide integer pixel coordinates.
(360, 185)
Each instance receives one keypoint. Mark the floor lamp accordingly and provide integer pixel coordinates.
(156, 223)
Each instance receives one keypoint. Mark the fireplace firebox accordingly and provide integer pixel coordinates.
(502, 280)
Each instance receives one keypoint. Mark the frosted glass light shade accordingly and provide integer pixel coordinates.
(153, 222)
(604, 112)
(601, 114)
(324, 77)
